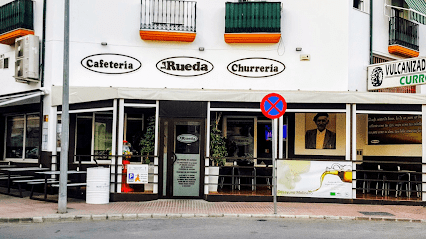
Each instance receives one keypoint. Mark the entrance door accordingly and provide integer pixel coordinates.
(182, 149)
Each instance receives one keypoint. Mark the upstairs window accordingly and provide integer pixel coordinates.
(362, 5)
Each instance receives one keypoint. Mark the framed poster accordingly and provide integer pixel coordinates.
(394, 129)
(321, 179)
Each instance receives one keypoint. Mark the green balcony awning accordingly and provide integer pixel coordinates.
(417, 10)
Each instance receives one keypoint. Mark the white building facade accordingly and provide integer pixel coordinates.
(158, 74)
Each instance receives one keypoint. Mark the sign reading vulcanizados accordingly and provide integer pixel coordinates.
(397, 73)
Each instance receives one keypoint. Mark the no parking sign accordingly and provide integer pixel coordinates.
(273, 106)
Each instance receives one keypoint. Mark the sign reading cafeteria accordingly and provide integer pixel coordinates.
(256, 67)
(397, 73)
(185, 66)
(110, 63)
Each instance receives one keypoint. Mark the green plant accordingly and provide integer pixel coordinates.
(218, 150)
(147, 141)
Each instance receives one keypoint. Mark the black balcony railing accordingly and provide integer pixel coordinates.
(403, 32)
(15, 15)
(253, 17)
(168, 15)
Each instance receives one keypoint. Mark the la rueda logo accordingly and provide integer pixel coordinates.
(185, 66)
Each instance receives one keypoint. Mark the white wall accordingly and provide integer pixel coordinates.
(359, 49)
(335, 35)
(304, 24)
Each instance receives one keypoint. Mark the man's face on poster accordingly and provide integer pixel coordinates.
(321, 123)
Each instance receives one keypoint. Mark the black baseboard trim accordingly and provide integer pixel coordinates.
(250, 198)
(130, 197)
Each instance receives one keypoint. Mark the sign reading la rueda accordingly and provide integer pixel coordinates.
(273, 106)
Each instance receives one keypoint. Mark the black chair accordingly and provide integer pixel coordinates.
(245, 170)
(264, 174)
(407, 178)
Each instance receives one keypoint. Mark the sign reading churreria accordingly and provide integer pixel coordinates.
(185, 66)
(256, 67)
(397, 73)
(110, 63)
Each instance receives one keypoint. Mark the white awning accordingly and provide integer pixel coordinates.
(20, 99)
(87, 94)
(416, 8)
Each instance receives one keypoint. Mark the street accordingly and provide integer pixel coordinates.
(235, 228)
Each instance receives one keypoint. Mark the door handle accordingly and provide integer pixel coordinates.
(174, 157)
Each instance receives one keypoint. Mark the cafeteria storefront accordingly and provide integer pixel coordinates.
(372, 149)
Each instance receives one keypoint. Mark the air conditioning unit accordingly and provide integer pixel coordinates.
(27, 59)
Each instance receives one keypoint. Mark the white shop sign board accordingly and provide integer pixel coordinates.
(137, 174)
(399, 73)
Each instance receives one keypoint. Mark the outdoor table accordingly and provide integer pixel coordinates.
(50, 173)
(7, 165)
(12, 169)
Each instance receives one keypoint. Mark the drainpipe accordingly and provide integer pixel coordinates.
(43, 45)
(371, 31)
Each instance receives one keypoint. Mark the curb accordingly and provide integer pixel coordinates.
(116, 217)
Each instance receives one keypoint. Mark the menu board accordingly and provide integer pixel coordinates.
(394, 129)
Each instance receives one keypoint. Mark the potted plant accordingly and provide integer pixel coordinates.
(218, 152)
(147, 149)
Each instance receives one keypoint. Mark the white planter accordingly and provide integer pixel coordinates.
(213, 178)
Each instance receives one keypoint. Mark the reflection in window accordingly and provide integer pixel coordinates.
(32, 136)
(103, 135)
(23, 132)
(240, 133)
(93, 136)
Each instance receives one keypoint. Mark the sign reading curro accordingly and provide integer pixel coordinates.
(256, 67)
(110, 63)
(185, 66)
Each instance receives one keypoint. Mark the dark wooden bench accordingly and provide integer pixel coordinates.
(29, 182)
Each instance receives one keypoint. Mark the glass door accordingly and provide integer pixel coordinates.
(183, 141)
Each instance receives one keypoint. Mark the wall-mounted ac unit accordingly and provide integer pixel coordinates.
(27, 59)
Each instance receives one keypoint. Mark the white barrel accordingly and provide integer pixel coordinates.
(97, 191)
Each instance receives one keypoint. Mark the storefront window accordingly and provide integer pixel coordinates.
(103, 135)
(22, 136)
(93, 136)
(240, 137)
(32, 136)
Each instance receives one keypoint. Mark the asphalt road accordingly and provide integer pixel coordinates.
(196, 228)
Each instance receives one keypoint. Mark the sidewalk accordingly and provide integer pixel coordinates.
(18, 210)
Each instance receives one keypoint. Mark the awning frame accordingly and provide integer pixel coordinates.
(404, 9)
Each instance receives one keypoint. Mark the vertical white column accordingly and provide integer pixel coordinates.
(207, 160)
(120, 142)
(53, 119)
(114, 145)
(353, 143)
(156, 145)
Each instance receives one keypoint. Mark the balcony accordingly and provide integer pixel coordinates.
(163, 20)
(253, 22)
(16, 20)
(403, 37)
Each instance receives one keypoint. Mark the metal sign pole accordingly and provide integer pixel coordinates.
(274, 162)
(63, 176)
